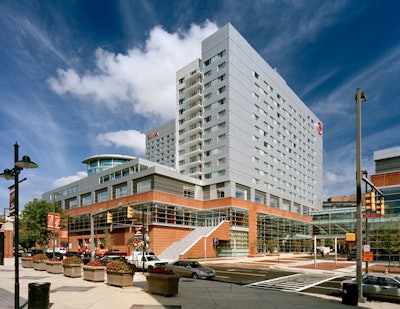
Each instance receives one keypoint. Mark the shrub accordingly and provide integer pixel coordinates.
(54, 260)
(120, 265)
(40, 257)
(72, 260)
(94, 263)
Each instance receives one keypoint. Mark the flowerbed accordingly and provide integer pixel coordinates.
(94, 271)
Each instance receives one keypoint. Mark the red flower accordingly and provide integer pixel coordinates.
(94, 263)
(162, 271)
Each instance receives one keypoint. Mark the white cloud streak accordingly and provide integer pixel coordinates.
(145, 77)
(130, 139)
(68, 179)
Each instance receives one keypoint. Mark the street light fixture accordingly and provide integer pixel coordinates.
(360, 97)
(9, 174)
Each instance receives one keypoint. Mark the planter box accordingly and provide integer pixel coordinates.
(54, 267)
(39, 265)
(73, 270)
(120, 279)
(93, 273)
(160, 284)
(27, 262)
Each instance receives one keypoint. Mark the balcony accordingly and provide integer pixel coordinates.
(193, 87)
(194, 107)
(193, 76)
(193, 97)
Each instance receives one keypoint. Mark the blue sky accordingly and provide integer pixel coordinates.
(86, 77)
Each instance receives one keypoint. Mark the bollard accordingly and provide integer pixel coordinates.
(38, 295)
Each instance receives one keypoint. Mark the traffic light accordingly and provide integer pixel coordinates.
(370, 201)
(129, 212)
(111, 228)
(109, 217)
(380, 206)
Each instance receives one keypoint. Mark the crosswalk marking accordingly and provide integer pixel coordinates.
(292, 283)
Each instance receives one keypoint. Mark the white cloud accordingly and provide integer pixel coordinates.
(68, 179)
(143, 76)
(129, 138)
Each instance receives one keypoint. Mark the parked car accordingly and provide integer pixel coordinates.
(57, 249)
(352, 255)
(107, 258)
(32, 252)
(21, 250)
(148, 260)
(382, 286)
(193, 269)
(59, 256)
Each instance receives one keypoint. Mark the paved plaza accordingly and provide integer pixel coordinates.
(68, 293)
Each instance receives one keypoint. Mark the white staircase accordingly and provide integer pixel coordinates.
(174, 250)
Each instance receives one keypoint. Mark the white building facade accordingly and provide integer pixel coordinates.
(243, 131)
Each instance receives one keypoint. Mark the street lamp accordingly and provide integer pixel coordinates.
(9, 174)
(360, 97)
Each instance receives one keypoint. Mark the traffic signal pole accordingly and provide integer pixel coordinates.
(360, 97)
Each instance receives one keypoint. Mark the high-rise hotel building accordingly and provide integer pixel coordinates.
(243, 131)
(235, 173)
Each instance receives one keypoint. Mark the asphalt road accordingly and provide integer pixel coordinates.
(269, 278)
(244, 276)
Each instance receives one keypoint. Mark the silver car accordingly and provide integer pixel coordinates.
(379, 286)
(192, 269)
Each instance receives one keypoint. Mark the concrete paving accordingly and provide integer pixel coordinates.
(68, 293)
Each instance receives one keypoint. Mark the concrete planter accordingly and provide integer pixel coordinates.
(54, 267)
(73, 270)
(39, 265)
(27, 262)
(160, 284)
(93, 273)
(120, 278)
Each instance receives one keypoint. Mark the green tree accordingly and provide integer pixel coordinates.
(272, 244)
(33, 223)
(108, 240)
(389, 237)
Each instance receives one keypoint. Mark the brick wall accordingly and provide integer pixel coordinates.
(385, 180)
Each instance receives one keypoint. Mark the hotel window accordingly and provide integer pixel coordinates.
(86, 199)
(221, 90)
(207, 141)
(259, 197)
(221, 161)
(221, 137)
(120, 191)
(221, 113)
(241, 193)
(101, 195)
(71, 203)
(188, 192)
(144, 186)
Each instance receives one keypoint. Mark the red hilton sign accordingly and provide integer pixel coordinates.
(150, 136)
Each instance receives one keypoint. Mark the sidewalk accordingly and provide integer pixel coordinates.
(72, 293)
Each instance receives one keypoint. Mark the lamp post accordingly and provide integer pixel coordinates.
(9, 174)
(360, 97)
